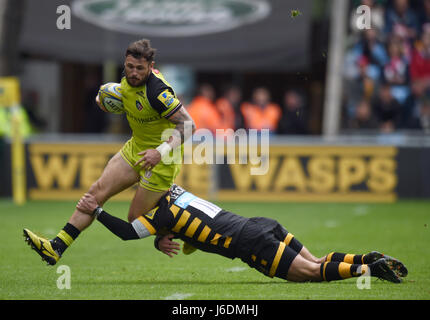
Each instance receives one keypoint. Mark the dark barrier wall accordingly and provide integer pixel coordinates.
(5, 165)
(294, 173)
(414, 173)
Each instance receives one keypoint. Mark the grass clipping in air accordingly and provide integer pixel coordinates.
(295, 13)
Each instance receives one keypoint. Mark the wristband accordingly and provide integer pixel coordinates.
(97, 211)
(164, 149)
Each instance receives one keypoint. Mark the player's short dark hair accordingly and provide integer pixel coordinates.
(141, 49)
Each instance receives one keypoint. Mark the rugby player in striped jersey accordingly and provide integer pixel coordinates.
(260, 242)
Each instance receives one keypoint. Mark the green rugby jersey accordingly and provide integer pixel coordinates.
(147, 108)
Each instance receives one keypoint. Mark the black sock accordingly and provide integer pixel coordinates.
(65, 238)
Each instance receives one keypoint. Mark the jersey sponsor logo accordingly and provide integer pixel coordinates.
(184, 200)
(166, 98)
(188, 199)
(207, 207)
(130, 117)
(169, 18)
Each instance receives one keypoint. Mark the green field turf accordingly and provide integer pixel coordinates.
(105, 267)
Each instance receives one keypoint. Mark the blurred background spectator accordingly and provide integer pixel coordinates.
(396, 69)
(401, 19)
(203, 109)
(420, 64)
(261, 112)
(30, 103)
(364, 117)
(387, 109)
(394, 55)
(424, 14)
(228, 106)
(387, 68)
(363, 67)
(293, 120)
(422, 120)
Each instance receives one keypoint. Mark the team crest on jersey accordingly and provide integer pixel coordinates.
(150, 214)
(167, 98)
(139, 105)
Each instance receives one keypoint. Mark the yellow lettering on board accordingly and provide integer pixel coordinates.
(291, 174)
(351, 171)
(243, 179)
(382, 174)
(55, 169)
(321, 174)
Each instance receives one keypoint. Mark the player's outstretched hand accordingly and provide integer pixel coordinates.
(87, 204)
(167, 246)
(150, 159)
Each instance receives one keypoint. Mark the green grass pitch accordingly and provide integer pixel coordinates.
(105, 267)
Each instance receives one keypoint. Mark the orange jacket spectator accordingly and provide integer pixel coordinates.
(205, 114)
(226, 111)
(203, 110)
(229, 107)
(261, 113)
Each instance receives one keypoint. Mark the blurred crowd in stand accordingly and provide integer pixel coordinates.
(387, 67)
(386, 88)
(230, 111)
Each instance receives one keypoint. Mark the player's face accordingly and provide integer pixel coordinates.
(137, 71)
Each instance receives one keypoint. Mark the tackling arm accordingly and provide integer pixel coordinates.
(119, 227)
(124, 230)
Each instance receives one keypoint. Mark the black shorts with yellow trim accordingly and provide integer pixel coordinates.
(268, 247)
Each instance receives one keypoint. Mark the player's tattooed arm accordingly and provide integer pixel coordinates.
(184, 129)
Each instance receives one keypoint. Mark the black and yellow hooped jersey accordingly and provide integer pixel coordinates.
(196, 221)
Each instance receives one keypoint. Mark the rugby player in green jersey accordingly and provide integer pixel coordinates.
(151, 107)
(260, 242)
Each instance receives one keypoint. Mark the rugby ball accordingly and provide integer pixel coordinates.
(111, 98)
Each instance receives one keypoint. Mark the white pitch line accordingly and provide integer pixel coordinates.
(361, 210)
(236, 269)
(178, 296)
(331, 224)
